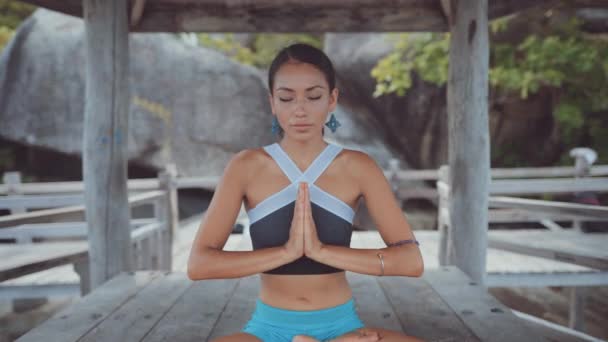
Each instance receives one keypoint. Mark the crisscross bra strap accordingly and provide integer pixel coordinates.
(316, 168)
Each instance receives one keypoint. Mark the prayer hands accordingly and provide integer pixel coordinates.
(303, 238)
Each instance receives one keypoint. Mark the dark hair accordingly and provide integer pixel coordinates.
(306, 54)
(303, 53)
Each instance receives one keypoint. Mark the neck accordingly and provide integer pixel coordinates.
(303, 151)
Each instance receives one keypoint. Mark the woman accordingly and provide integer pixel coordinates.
(301, 195)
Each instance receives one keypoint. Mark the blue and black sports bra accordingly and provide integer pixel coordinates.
(270, 220)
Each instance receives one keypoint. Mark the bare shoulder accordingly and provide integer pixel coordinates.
(246, 163)
(358, 163)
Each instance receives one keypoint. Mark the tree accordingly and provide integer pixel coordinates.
(555, 56)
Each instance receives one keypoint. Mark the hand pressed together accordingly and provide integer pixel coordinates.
(303, 238)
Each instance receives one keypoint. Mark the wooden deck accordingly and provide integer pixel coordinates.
(440, 306)
(443, 305)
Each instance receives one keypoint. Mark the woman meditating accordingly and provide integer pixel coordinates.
(301, 194)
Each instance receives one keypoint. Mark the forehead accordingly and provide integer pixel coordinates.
(299, 75)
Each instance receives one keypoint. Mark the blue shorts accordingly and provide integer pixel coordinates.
(272, 324)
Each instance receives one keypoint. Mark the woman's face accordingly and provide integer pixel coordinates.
(301, 100)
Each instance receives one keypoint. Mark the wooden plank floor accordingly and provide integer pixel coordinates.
(381, 302)
(158, 306)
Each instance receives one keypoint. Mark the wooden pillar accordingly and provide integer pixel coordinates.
(168, 213)
(576, 319)
(469, 146)
(13, 182)
(105, 138)
(443, 214)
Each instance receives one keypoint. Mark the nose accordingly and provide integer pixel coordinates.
(299, 110)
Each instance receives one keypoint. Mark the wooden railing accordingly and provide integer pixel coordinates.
(63, 219)
(58, 209)
(526, 210)
(503, 209)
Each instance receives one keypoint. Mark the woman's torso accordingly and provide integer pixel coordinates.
(302, 291)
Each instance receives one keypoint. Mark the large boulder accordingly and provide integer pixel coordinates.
(189, 105)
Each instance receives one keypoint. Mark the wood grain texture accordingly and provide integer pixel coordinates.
(587, 249)
(292, 15)
(19, 260)
(105, 138)
(156, 306)
(79, 318)
(137, 316)
(195, 313)
(469, 142)
(422, 312)
(489, 319)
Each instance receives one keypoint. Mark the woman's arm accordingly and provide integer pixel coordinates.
(398, 260)
(403, 260)
(207, 260)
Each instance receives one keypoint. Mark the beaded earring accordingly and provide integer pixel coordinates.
(276, 128)
(333, 124)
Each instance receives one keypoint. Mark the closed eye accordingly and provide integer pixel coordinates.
(310, 98)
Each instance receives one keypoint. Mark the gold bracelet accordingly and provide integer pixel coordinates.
(381, 263)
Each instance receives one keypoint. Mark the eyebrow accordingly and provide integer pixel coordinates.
(307, 89)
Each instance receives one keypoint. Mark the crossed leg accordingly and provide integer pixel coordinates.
(244, 337)
(359, 335)
(366, 335)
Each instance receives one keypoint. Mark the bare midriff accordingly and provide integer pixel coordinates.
(304, 292)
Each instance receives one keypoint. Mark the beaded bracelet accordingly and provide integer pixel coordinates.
(403, 242)
(381, 263)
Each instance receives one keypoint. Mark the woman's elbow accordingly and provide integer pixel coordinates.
(197, 267)
(419, 269)
(415, 268)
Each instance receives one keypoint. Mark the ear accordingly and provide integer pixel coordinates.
(333, 99)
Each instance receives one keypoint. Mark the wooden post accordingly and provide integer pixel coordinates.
(13, 182)
(469, 145)
(443, 212)
(576, 319)
(169, 214)
(393, 178)
(82, 268)
(393, 169)
(105, 138)
(584, 157)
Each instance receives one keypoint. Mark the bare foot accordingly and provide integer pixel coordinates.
(360, 335)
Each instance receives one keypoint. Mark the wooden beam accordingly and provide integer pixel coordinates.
(105, 138)
(572, 210)
(292, 15)
(447, 11)
(69, 7)
(137, 10)
(469, 142)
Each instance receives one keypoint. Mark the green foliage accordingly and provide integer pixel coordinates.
(423, 53)
(13, 12)
(264, 47)
(569, 64)
(6, 34)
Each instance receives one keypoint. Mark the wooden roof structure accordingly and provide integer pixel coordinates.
(293, 15)
(108, 22)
